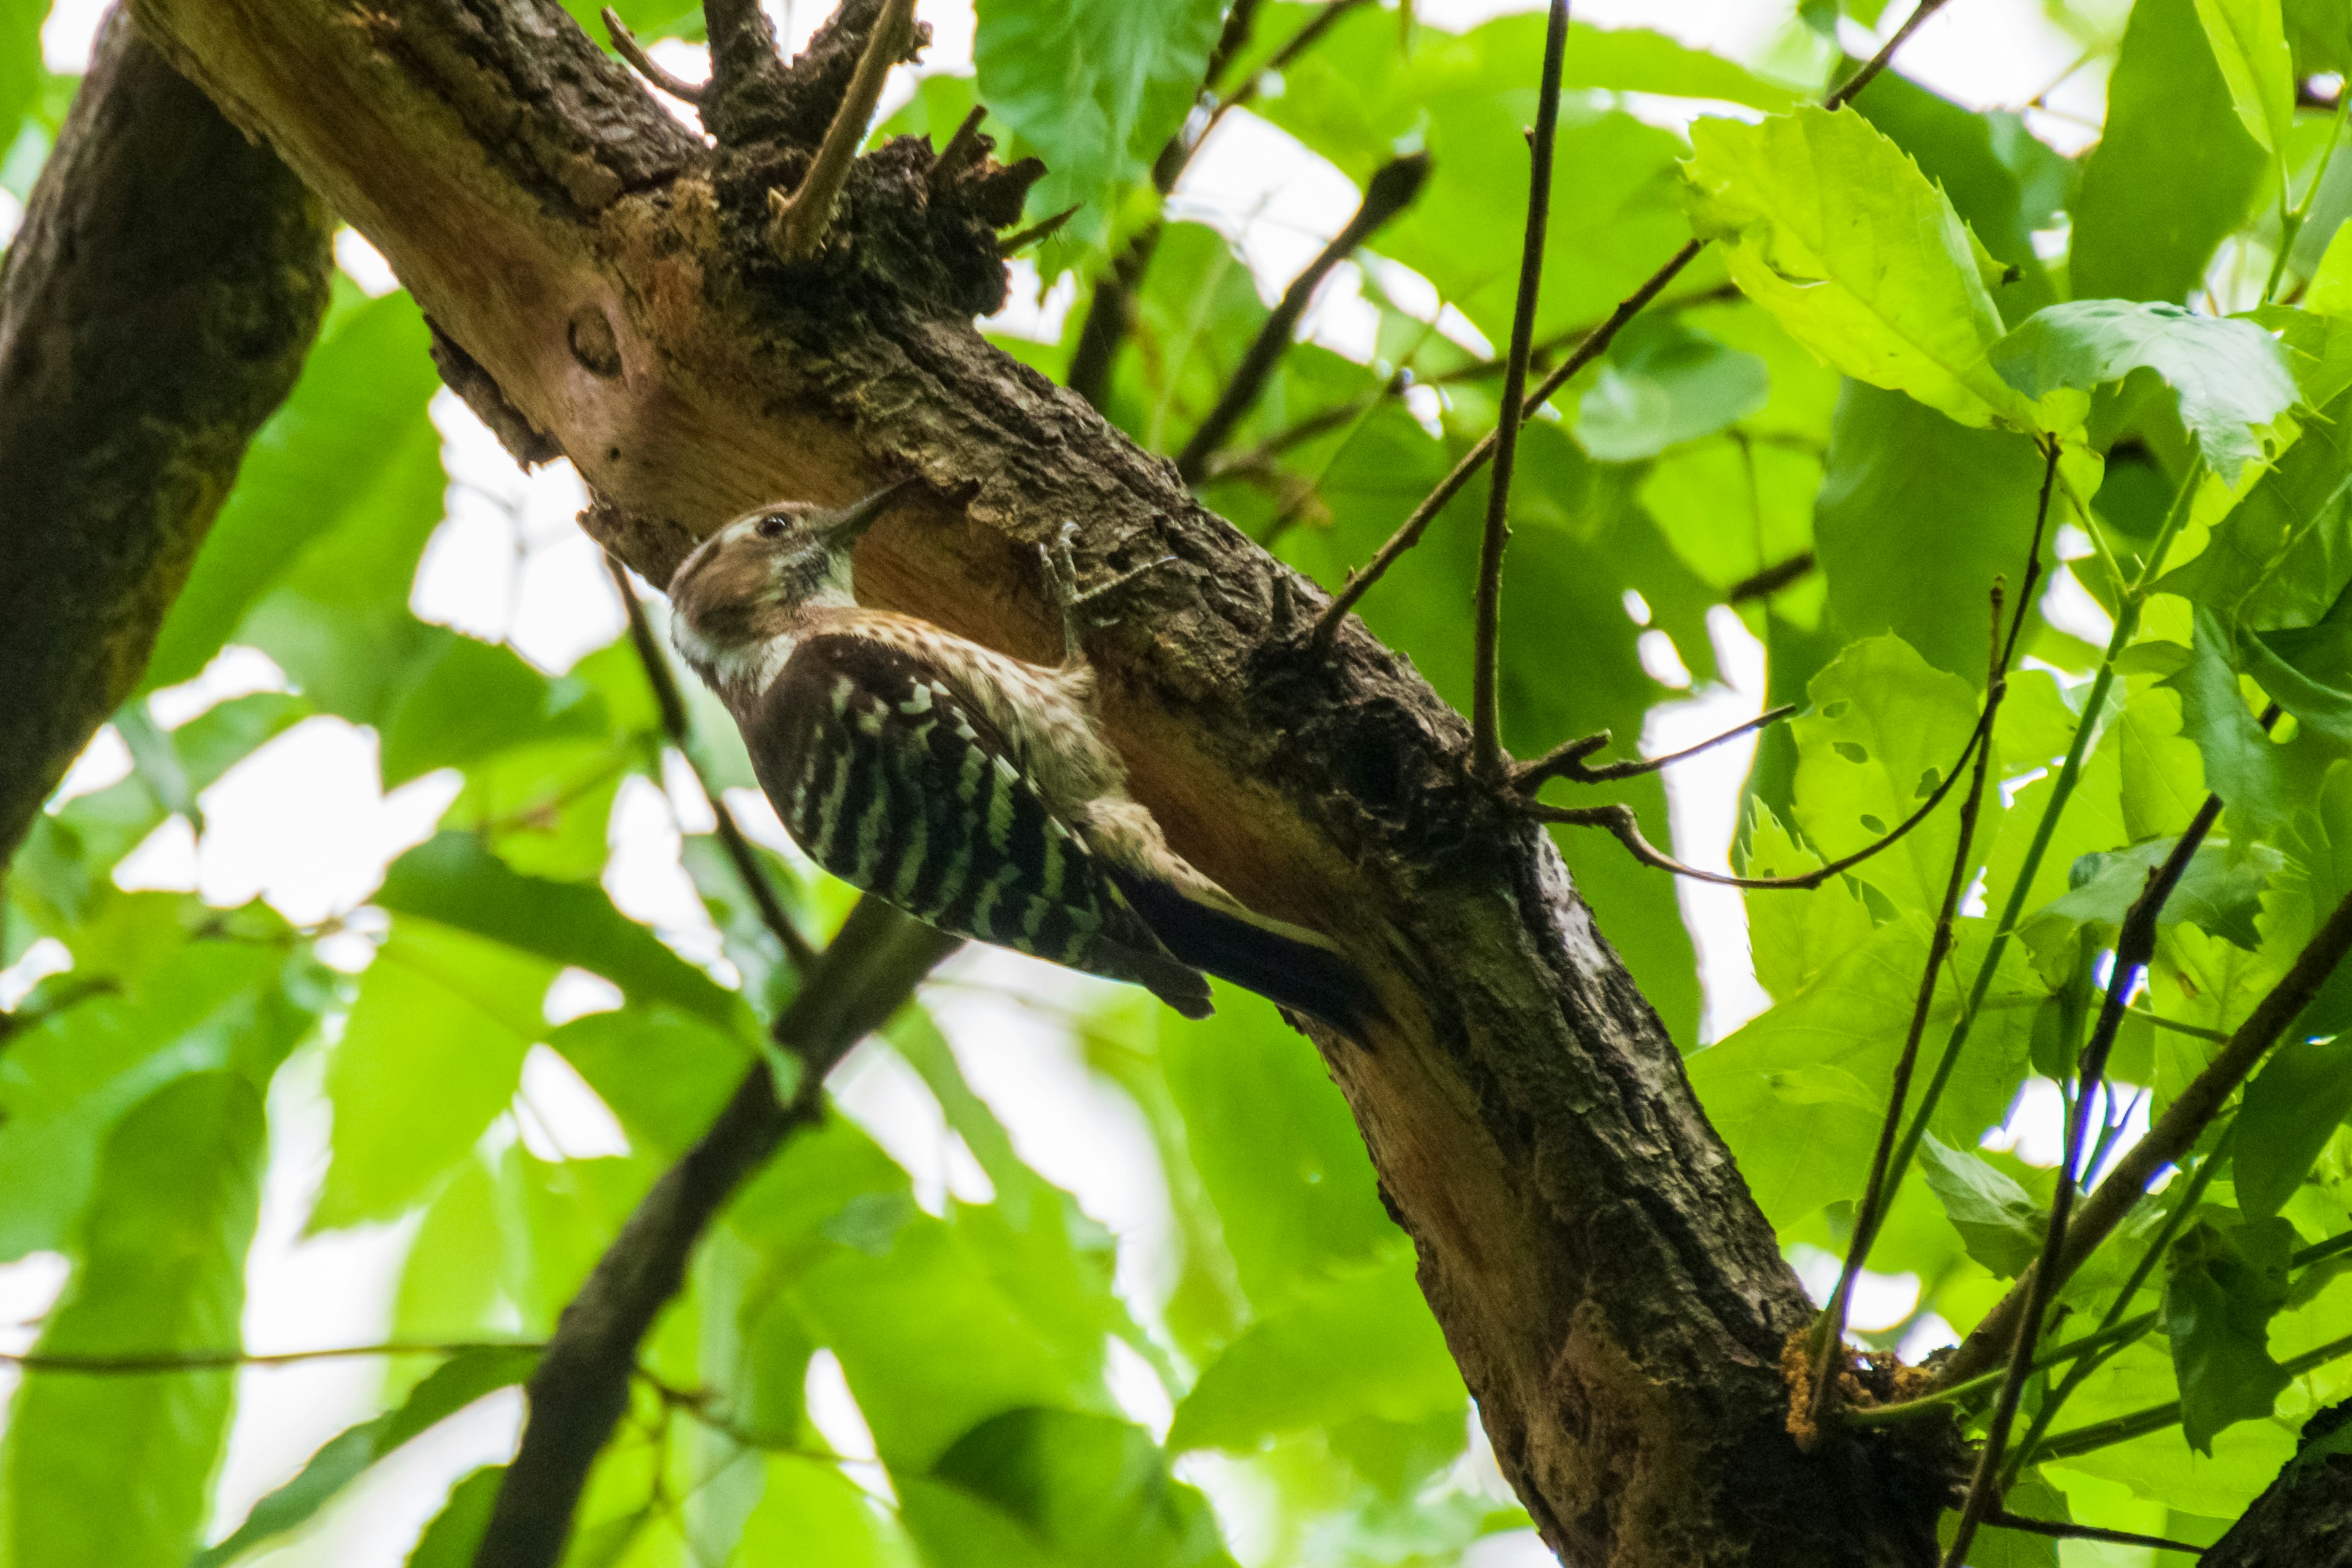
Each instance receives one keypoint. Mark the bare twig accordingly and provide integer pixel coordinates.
(1567, 761)
(1596, 343)
(2135, 947)
(1390, 190)
(961, 152)
(1830, 1348)
(2064, 1531)
(1021, 240)
(582, 1386)
(797, 223)
(1853, 84)
(1771, 580)
(214, 1360)
(679, 728)
(625, 44)
(2174, 1134)
(1486, 758)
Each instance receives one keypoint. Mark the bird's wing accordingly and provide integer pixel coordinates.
(894, 782)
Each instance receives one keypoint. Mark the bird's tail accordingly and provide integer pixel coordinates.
(1301, 970)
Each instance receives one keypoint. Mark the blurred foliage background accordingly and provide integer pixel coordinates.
(462, 1057)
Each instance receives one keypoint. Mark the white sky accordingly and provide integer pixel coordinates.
(305, 823)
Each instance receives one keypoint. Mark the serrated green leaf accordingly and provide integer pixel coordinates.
(2174, 172)
(2308, 670)
(1795, 935)
(1884, 731)
(2221, 892)
(1096, 87)
(433, 1052)
(2241, 764)
(1828, 225)
(2248, 43)
(163, 1270)
(2232, 376)
(1998, 1221)
(2222, 1288)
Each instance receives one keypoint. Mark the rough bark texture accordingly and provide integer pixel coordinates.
(2305, 1519)
(1615, 1300)
(155, 308)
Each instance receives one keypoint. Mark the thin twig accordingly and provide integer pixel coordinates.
(2173, 1135)
(1771, 580)
(2157, 1417)
(580, 1388)
(1596, 343)
(214, 1360)
(678, 726)
(1044, 228)
(1486, 759)
(1830, 1334)
(1388, 192)
(1567, 761)
(797, 223)
(961, 152)
(626, 45)
(1878, 62)
(2135, 949)
(2004, 1520)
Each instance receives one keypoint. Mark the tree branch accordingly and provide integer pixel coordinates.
(626, 45)
(1596, 343)
(2170, 1138)
(799, 221)
(1486, 758)
(582, 1386)
(1391, 189)
(154, 307)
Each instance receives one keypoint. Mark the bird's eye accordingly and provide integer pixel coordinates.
(770, 527)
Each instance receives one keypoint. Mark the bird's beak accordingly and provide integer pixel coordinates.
(845, 527)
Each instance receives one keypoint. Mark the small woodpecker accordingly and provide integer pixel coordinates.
(974, 791)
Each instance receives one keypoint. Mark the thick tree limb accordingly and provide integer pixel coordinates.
(2301, 1519)
(1615, 1298)
(154, 309)
(582, 1386)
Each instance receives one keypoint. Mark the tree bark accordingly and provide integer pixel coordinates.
(155, 308)
(2305, 1519)
(1615, 1299)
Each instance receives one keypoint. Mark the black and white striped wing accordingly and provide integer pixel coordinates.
(891, 781)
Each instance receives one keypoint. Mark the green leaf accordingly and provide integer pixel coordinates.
(2309, 668)
(2174, 172)
(1075, 1489)
(1094, 87)
(2221, 892)
(218, 739)
(2030, 1497)
(433, 1052)
(1828, 225)
(811, 1512)
(1915, 518)
(1998, 1221)
(354, 420)
(450, 1539)
(1664, 383)
(1884, 732)
(1795, 935)
(2242, 765)
(2222, 1288)
(344, 1457)
(1362, 1344)
(2292, 1107)
(117, 1469)
(450, 878)
(462, 699)
(2282, 553)
(20, 62)
(2232, 376)
(665, 1074)
(2249, 41)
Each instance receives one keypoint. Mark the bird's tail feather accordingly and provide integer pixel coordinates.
(1285, 963)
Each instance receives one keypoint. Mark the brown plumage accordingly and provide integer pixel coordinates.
(973, 790)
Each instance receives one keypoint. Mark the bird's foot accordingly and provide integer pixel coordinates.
(1062, 581)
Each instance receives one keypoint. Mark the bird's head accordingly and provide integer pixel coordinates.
(747, 583)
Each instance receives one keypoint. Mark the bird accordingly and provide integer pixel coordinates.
(976, 792)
